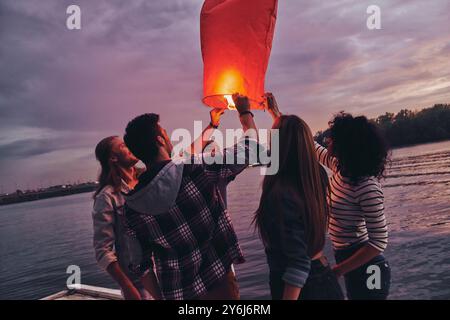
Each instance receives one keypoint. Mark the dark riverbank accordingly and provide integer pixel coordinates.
(51, 192)
(408, 128)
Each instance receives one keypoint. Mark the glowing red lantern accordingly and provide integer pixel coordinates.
(236, 40)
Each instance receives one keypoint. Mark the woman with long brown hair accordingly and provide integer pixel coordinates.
(292, 216)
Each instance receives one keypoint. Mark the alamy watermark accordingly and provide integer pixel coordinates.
(374, 20)
(73, 21)
(374, 280)
(74, 280)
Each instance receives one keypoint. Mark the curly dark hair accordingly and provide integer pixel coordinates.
(141, 136)
(359, 146)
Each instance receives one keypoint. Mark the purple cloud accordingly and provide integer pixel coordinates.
(61, 91)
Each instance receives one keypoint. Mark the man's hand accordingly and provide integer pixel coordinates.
(272, 106)
(215, 115)
(242, 105)
(242, 102)
(200, 143)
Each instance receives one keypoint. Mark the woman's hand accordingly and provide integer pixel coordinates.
(359, 258)
(215, 115)
(150, 284)
(272, 106)
(130, 292)
(337, 271)
(128, 289)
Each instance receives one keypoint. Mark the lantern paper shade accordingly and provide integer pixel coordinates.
(236, 40)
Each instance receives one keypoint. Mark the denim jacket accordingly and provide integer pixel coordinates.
(287, 253)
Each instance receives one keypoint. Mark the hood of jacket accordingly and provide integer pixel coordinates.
(160, 193)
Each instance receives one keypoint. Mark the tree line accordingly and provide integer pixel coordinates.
(411, 127)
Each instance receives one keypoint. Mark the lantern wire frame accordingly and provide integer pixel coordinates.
(221, 101)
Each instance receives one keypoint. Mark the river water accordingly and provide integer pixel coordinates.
(39, 240)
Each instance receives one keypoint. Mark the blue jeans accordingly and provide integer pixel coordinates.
(359, 282)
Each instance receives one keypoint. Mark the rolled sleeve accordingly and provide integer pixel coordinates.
(295, 277)
(295, 247)
(104, 238)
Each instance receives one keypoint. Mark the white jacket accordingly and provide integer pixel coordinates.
(111, 243)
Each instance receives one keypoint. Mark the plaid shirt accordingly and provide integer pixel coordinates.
(193, 244)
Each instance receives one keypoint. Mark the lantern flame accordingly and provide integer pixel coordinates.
(230, 102)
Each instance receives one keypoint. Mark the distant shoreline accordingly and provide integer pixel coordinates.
(62, 191)
(52, 192)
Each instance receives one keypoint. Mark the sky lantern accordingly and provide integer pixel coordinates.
(236, 40)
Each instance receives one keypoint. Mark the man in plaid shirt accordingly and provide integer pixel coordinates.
(179, 215)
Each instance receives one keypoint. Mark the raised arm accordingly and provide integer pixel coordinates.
(272, 106)
(200, 143)
(238, 157)
(325, 158)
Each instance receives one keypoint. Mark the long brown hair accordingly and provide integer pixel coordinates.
(299, 175)
(109, 174)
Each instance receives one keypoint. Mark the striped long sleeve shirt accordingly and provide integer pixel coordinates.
(356, 210)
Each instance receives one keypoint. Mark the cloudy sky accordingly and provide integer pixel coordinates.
(61, 91)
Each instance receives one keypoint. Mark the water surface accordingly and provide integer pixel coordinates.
(38, 240)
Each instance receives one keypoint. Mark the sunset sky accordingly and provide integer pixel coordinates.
(61, 91)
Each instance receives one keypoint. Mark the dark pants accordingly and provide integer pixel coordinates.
(361, 283)
(320, 285)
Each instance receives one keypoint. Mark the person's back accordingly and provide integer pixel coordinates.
(180, 217)
(178, 213)
(357, 155)
(356, 211)
(292, 205)
(292, 218)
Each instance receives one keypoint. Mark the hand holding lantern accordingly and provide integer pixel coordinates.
(242, 103)
(215, 115)
(245, 115)
(272, 106)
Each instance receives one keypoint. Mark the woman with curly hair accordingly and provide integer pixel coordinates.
(357, 155)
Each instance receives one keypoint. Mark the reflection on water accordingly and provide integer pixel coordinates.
(38, 240)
